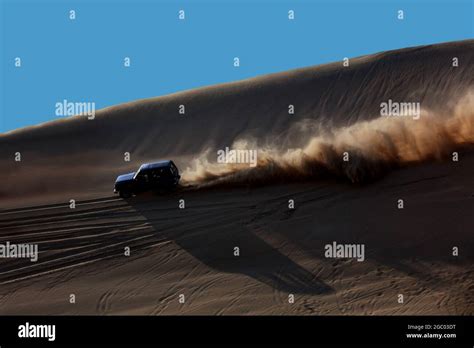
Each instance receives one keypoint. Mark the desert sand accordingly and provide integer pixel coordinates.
(190, 251)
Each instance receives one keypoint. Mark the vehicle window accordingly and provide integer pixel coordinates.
(143, 177)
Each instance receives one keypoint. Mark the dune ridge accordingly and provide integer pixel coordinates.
(74, 155)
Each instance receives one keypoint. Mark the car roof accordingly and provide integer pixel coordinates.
(159, 164)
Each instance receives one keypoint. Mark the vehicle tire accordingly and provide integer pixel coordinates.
(125, 194)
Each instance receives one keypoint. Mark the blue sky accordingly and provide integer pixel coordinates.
(82, 59)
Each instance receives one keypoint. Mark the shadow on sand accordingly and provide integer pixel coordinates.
(211, 233)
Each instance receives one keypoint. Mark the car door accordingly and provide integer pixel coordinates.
(142, 181)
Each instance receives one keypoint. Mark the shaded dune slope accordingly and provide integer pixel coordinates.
(76, 154)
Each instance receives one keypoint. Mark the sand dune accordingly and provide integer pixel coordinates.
(189, 251)
(328, 97)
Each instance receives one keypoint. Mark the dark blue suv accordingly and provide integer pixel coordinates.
(162, 175)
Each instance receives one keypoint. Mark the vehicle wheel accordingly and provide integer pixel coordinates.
(125, 194)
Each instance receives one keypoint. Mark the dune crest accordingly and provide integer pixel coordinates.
(336, 109)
